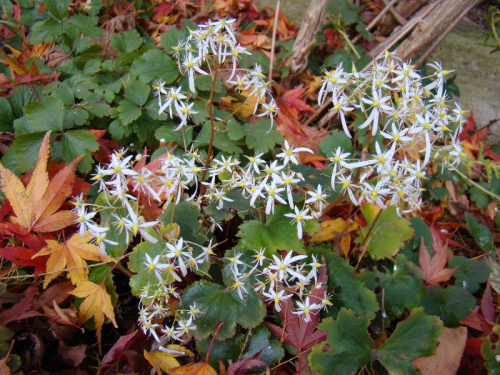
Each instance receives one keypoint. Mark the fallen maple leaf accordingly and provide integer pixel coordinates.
(35, 205)
(70, 254)
(433, 269)
(97, 304)
(198, 368)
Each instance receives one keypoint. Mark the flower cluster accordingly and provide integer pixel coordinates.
(403, 116)
(204, 52)
(409, 121)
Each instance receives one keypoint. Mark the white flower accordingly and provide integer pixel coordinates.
(299, 217)
(284, 265)
(290, 154)
(306, 308)
(277, 297)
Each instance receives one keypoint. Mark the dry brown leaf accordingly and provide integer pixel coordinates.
(449, 352)
(97, 304)
(198, 368)
(70, 254)
(35, 205)
(433, 269)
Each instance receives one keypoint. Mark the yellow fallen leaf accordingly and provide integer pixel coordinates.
(70, 254)
(178, 350)
(160, 361)
(97, 304)
(345, 244)
(331, 228)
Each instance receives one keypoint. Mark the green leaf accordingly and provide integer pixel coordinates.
(337, 139)
(81, 24)
(46, 116)
(76, 143)
(26, 147)
(20, 97)
(45, 31)
(491, 350)
(186, 215)
(270, 351)
(388, 234)
(97, 106)
(451, 304)
(470, 272)
(481, 234)
(155, 64)
(260, 137)
(137, 92)
(127, 41)
(167, 133)
(415, 337)
(235, 131)
(107, 219)
(349, 345)
(144, 276)
(221, 304)
(204, 83)
(128, 112)
(221, 140)
(58, 8)
(348, 290)
(6, 116)
(402, 286)
(277, 233)
(172, 36)
(76, 116)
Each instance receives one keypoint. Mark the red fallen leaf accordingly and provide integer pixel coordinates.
(103, 155)
(433, 269)
(22, 256)
(470, 132)
(121, 355)
(22, 309)
(292, 98)
(487, 306)
(242, 367)
(473, 347)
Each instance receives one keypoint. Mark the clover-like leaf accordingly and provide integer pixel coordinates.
(347, 347)
(222, 304)
(450, 304)
(415, 337)
(470, 272)
(402, 286)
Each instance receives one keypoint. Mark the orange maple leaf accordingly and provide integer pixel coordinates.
(433, 269)
(198, 368)
(70, 254)
(97, 304)
(35, 205)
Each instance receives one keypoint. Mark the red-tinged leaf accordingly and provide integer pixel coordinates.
(470, 132)
(58, 190)
(22, 309)
(487, 306)
(292, 99)
(116, 353)
(433, 269)
(245, 365)
(473, 347)
(55, 222)
(22, 256)
(296, 331)
(103, 155)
